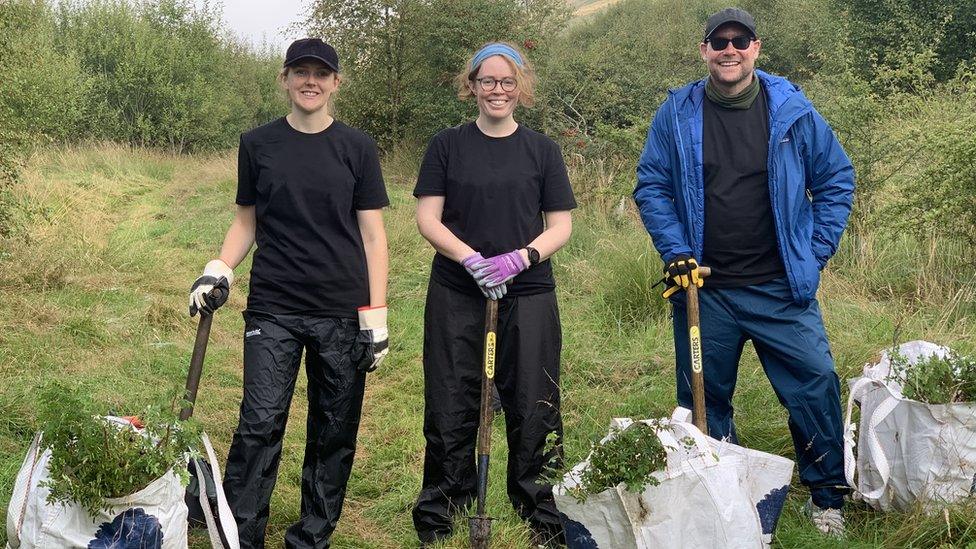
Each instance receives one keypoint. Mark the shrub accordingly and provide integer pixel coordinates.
(164, 74)
(859, 116)
(32, 69)
(801, 39)
(11, 155)
(942, 199)
(608, 74)
(43, 88)
(889, 33)
(936, 380)
(92, 460)
(630, 457)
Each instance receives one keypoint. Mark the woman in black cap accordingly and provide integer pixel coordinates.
(494, 201)
(310, 195)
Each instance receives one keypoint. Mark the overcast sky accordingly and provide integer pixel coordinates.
(257, 20)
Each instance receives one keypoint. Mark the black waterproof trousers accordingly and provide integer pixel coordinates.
(273, 347)
(527, 377)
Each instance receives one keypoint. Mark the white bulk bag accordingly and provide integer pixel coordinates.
(703, 499)
(908, 452)
(154, 517)
(766, 476)
(32, 522)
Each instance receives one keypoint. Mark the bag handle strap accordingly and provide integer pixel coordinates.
(850, 429)
(221, 526)
(880, 460)
(33, 453)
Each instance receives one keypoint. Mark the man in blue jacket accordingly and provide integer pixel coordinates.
(740, 173)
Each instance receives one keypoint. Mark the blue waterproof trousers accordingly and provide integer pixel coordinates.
(793, 349)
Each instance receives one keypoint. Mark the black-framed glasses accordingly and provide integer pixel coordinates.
(739, 42)
(488, 83)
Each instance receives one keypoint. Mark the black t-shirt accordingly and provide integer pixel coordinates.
(740, 237)
(306, 189)
(495, 190)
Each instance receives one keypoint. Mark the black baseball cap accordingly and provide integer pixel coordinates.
(730, 15)
(313, 48)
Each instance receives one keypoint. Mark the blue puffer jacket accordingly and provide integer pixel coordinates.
(811, 181)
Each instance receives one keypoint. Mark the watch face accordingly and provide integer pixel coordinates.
(533, 255)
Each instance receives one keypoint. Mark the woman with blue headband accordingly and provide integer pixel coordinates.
(494, 201)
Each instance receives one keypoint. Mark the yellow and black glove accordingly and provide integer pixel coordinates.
(670, 288)
(680, 273)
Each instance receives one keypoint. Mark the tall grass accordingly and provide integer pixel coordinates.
(107, 239)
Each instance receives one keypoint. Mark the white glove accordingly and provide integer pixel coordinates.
(373, 333)
(215, 275)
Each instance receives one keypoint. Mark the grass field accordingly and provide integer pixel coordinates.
(108, 239)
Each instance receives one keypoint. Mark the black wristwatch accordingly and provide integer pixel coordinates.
(533, 255)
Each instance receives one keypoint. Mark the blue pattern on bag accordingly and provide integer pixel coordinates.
(770, 508)
(133, 529)
(577, 536)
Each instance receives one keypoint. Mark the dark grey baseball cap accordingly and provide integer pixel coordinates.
(312, 48)
(730, 15)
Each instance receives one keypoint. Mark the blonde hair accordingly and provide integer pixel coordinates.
(524, 76)
(283, 88)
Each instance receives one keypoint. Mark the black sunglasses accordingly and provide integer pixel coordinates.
(739, 42)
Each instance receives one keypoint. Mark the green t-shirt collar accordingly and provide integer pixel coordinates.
(743, 100)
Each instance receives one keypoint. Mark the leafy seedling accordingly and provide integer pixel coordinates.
(93, 460)
(935, 380)
(629, 458)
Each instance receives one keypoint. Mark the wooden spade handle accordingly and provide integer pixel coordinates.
(694, 340)
(196, 360)
(487, 415)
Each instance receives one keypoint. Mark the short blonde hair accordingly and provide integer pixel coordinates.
(524, 76)
(283, 75)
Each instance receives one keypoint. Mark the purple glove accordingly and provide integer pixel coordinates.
(499, 269)
(469, 263)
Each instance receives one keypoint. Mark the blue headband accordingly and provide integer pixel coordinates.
(496, 48)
